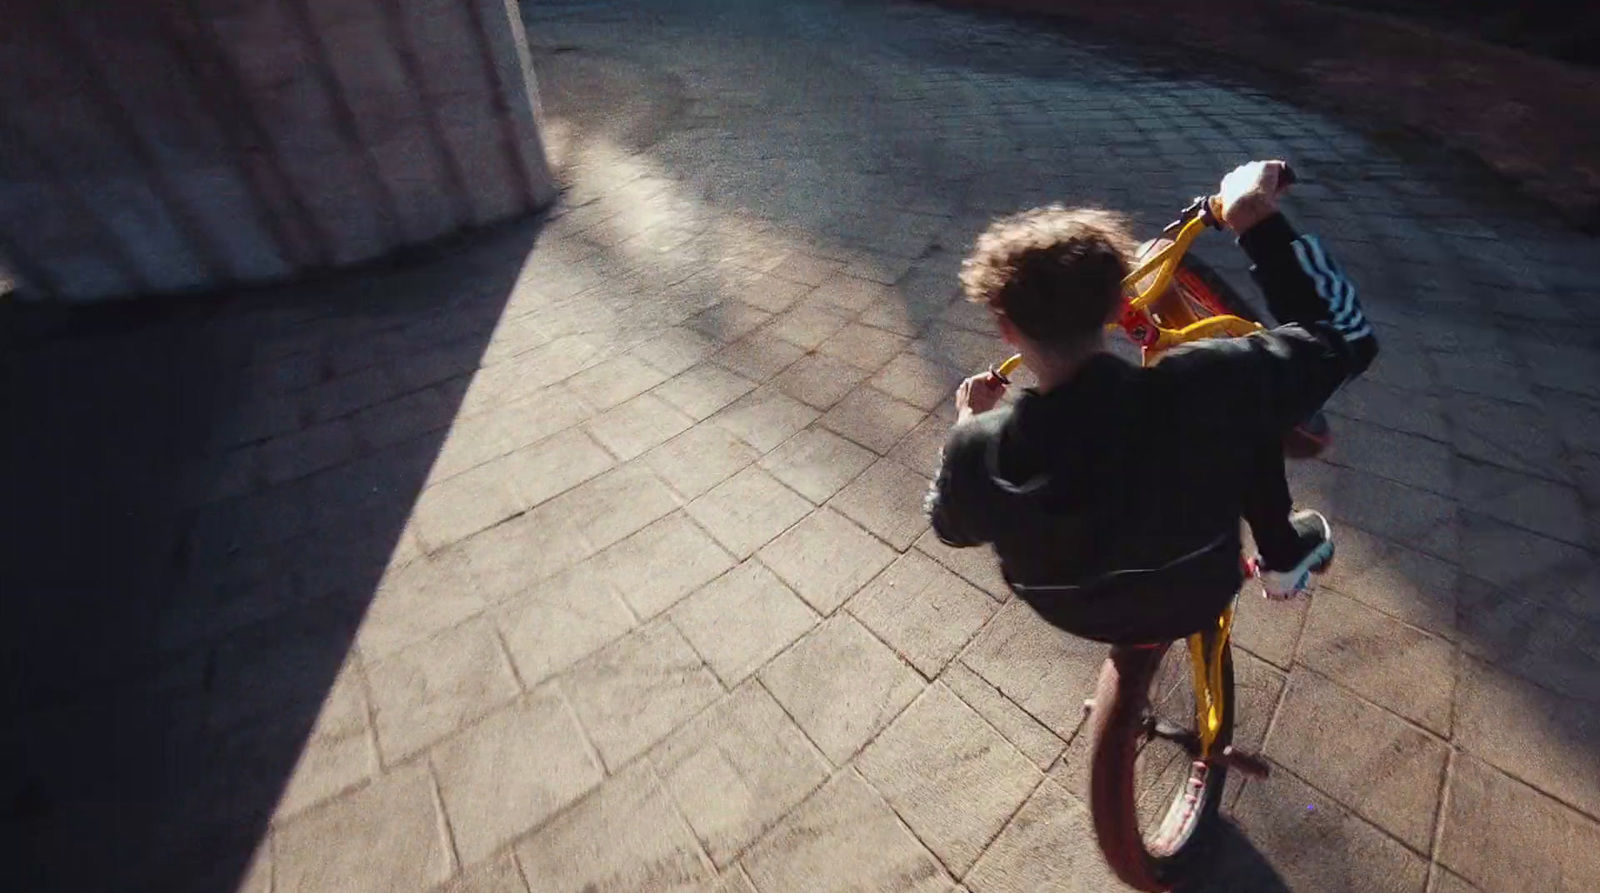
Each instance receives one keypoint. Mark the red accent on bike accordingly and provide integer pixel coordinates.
(1300, 443)
(1138, 326)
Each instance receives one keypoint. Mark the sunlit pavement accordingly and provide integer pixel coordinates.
(589, 555)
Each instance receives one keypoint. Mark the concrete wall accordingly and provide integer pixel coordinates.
(164, 145)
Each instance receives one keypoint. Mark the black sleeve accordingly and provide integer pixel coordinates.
(953, 504)
(1274, 379)
(1260, 385)
(1303, 284)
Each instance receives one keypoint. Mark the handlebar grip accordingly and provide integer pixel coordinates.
(1287, 177)
(1213, 206)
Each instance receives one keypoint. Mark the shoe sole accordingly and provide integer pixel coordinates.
(1322, 566)
(1333, 549)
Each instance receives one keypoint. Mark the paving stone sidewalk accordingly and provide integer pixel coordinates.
(589, 555)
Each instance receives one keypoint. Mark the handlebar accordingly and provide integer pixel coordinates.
(1205, 211)
(1210, 207)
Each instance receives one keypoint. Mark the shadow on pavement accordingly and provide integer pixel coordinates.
(1235, 866)
(971, 116)
(201, 496)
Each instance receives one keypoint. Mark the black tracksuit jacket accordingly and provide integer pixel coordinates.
(1113, 501)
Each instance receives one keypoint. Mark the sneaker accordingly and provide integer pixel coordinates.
(1317, 535)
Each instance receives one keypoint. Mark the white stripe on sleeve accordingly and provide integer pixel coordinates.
(1335, 289)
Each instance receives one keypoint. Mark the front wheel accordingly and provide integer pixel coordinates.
(1153, 800)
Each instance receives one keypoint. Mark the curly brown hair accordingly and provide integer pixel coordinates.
(1055, 272)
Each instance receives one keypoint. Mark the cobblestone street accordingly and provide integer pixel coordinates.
(589, 555)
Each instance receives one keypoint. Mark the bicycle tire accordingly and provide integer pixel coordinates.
(1119, 730)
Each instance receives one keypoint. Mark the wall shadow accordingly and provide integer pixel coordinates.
(201, 495)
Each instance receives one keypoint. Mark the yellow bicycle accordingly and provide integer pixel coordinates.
(1162, 717)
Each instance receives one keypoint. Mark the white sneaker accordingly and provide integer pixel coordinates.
(1317, 535)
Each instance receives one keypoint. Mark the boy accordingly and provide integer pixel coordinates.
(1112, 493)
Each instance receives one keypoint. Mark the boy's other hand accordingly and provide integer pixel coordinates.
(978, 394)
(1249, 194)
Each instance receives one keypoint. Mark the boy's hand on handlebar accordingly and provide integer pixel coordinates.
(978, 394)
(1249, 194)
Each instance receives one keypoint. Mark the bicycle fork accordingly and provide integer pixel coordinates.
(1205, 657)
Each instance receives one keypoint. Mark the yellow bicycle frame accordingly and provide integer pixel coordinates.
(1210, 696)
(1206, 663)
(1164, 265)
